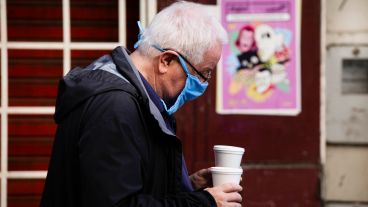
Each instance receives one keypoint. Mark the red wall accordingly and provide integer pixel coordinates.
(33, 76)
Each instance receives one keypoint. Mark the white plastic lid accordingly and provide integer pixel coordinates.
(227, 170)
(228, 148)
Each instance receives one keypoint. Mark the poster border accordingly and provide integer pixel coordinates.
(280, 112)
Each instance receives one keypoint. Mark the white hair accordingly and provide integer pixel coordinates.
(185, 27)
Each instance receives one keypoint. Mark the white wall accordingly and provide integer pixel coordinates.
(347, 21)
(345, 181)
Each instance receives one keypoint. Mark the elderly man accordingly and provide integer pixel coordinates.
(115, 143)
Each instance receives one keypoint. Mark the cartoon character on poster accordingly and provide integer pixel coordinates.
(259, 61)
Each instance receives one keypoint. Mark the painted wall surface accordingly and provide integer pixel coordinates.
(346, 161)
(346, 21)
(31, 78)
(346, 173)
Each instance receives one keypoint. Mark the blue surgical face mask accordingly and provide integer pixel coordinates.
(193, 89)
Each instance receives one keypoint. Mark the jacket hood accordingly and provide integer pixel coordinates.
(99, 77)
(110, 72)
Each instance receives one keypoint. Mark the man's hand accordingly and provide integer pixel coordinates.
(226, 195)
(201, 179)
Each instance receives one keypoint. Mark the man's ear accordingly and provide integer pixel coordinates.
(166, 60)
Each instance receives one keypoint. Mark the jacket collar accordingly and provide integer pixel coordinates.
(126, 68)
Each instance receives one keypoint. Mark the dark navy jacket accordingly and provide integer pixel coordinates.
(112, 147)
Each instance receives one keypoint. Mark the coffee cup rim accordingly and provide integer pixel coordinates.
(227, 170)
(228, 148)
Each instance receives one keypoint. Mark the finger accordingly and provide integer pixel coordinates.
(230, 187)
(233, 204)
(204, 172)
(234, 197)
(208, 175)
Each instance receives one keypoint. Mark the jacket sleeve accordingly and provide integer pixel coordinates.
(110, 158)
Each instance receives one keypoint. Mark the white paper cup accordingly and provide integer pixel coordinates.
(222, 175)
(228, 156)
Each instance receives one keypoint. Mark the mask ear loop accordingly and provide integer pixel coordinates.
(181, 60)
(140, 35)
(158, 48)
(184, 65)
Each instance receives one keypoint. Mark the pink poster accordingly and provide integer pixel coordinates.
(260, 68)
